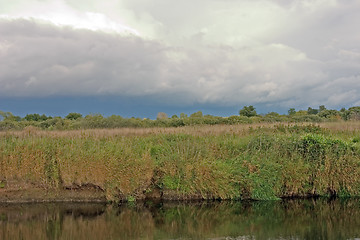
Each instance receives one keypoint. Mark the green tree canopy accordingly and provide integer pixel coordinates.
(312, 111)
(73, 116)
(197, 114)
(8, 116)
(291, 111)
(183, 115)
(36, 117)
(328, 113)
(322, 108)
(354, 113)
(272, 114)
(248, 111)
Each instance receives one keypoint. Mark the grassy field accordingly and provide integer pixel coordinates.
(257, 161)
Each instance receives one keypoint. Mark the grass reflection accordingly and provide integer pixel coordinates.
(288, 219)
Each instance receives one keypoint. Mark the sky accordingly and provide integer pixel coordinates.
(140, 57)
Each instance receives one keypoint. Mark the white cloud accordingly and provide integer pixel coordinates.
(57, 12)
(69, 61)
(285, 53)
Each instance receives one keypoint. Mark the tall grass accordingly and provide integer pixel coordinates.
(221, 162)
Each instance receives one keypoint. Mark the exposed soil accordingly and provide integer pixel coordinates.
(19, 192)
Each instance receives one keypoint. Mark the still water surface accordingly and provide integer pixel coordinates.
(291, 219)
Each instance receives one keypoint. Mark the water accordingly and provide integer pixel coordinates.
(292, 219)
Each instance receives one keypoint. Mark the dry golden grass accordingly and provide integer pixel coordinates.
(349, 126)
(199, 130)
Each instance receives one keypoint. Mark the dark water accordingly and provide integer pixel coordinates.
(295, 219)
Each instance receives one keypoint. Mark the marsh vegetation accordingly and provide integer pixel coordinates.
(263, 161)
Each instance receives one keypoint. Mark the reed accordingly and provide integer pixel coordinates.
(264, 161)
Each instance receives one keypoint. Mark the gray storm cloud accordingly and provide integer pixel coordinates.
(308, 55)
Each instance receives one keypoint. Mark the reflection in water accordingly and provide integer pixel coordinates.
(295, 219)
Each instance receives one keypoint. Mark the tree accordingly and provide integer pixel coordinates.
(3, 115)
(301, 113)
(291, 111)
(312, 111)
(248, 111)
(354, 113)
(272, 114)
(198, 114)
(73, 116)
(32, 117)
(322, 108)
(36, 117)
(183, 115)
(329, 113)
(9, 116)
(44, 117)
(161, 115)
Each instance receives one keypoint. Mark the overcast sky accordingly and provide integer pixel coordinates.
(178, 55)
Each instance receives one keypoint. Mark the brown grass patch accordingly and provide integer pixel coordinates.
(199, 130)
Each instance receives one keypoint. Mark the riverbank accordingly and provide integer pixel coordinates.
(268, 161)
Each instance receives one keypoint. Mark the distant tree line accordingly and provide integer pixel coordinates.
(311, 114)
(247, 115)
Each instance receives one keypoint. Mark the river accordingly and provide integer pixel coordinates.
(286, 219)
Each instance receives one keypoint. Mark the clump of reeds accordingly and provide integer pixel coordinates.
(257, 162)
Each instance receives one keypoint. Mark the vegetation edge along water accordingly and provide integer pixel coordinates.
(263, 163)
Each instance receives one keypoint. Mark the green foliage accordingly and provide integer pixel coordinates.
(315, 147)
(248, 111)
(248, 115)
(73, 116)
(272, 114)
(131, 199)
(353, 113)
(52, 169)
(329, 114)
(183, 115)
(9, 125)
(322, 108)
(291, 111)
(312, 111)
(8, 116)
(198, 114)
(36, 117)
(307, 118)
